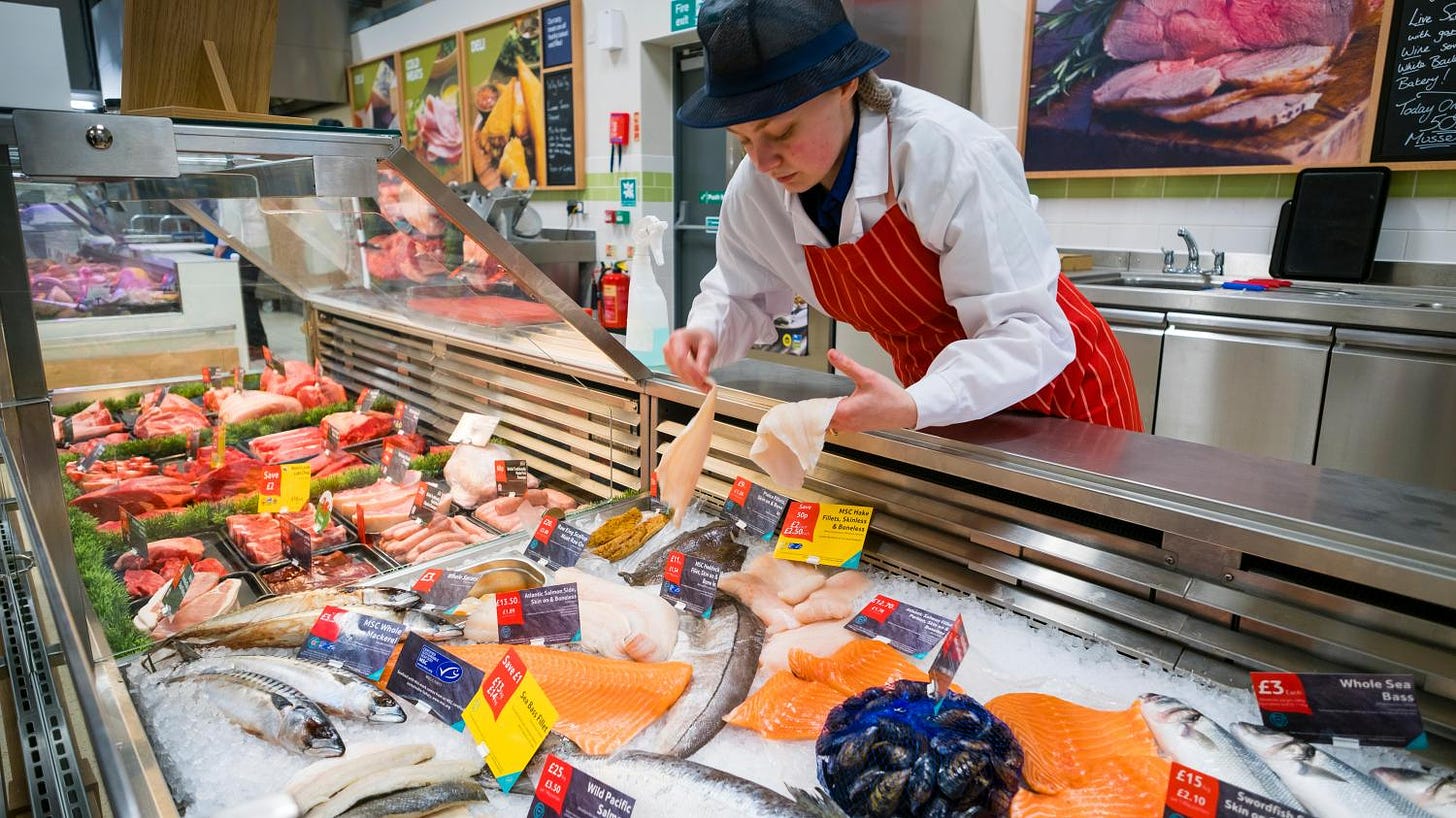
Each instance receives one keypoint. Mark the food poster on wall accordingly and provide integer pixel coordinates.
(507, 114)
(372, 88)
(1133, 85)
(432, 122)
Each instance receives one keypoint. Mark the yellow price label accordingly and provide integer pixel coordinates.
(509, 717)
(219, 446)
(824, 534)
(285, 488)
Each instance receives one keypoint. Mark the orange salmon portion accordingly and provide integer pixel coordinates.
(601, 703)
(1063, 741)
(858, 666)
(786, 708)
(1118, 787)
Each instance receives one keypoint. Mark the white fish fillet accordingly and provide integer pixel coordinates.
(835, 600)
(679, 469)
(818, 639)
(790, 439)
(317, 782)
(393, 780)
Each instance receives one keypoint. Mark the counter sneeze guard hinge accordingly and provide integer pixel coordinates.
(52, 767)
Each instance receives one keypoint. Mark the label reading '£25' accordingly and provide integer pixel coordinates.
(566, 792)
(824, 534)
(509, 716)
(442, 590)
(690, 583)
(542, 616)
(1344, 709)
(556, 543)
(754, 508)
(434, 680)
(1192, 794)
(352, 640)
(908, 629)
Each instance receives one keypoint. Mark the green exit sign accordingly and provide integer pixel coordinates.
(710, 197)
(684, 14)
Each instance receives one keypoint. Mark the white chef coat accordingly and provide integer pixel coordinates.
(960, 182)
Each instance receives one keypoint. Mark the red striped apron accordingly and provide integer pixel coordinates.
(901, 304)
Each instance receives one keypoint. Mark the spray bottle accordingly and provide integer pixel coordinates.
(647, 322)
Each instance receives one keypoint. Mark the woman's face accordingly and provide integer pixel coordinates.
(803, 146)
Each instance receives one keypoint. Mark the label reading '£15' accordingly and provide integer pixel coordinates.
(690, 583)
(566, 792)
(754, 508)
(542, 616)
(352, 640)
(1192, 794)
(908, 629)
(509, 716)
(510, 477)
(824, 534)
(557, 544)
(284, 488)
(435, 680)
(442, 590)
(1344, 709)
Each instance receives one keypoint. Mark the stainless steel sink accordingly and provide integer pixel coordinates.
(1161, 282)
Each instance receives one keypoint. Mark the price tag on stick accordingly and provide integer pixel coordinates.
(430, 502)
(91, 457)
(298, 546)
(510, 477)
(365, 400)
(134, 534)
(172, 600)
(442, 590)
(219, 446)
(357, 641)
(396, 462)
(948, 661)
(556, 543)
(1344, 709)
(566, 792)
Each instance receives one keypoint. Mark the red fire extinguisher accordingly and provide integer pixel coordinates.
(614, 298)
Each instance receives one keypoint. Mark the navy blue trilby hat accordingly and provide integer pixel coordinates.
(764, 57)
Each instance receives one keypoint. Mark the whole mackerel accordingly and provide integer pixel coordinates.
(1193, 740)
(337, 691)
(1325, 785)
(269, 709)
(1435, 792)
(713, 541)
(290, 630)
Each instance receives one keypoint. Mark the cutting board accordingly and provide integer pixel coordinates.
(1069, 135)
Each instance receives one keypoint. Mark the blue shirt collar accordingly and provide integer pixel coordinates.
(826, 207)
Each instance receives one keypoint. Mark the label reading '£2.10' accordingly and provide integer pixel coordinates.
(434, 680)
(754, 508)
(1192, 794)
(352, 640)
(908, 629)
(509, 716)
(1343, 709)
(540, 616)
(566, 792)
(557, 544)
(824, 534)
(690, 583)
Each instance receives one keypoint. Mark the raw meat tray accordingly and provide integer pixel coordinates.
(214, 546)
(379, 562)
(250, 590)
(128, 417)
(239, 556)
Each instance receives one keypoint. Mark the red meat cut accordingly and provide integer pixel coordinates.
(241, 406)
(1180, 29)
(141, 582)
(137, 495)
(173, 415)
(357, 427)
(233, 479)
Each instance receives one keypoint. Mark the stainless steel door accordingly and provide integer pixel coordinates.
(1390, 407)
(1241, 384)
(1141, 336)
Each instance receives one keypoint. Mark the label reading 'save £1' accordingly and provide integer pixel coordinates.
(566, 792)
(434, 680)
(557, 544)
(1344, 709)
(540, 616)
(1192, 794)
(442, 590)
(907, 628)
(824, 534)
(754, 508)
(509, 716)
(690, 583)
(352, 640)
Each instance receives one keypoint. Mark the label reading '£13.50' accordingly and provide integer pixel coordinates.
(948, 661)
(1344, 709)
(557, 544)
(510, 477)
(284, 488)
(690, 583)
(434, 679)
(352, 640)
(566, 792)
(908, 629)
(430, 502)
(442, 590)
(824, 534)
(754, 508)
(1192, 794)
(509, 716)
(543, 616)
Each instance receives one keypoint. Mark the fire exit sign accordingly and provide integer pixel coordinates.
(684, 14)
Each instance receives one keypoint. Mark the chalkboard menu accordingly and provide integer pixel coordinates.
(560, 129)
(557, 24)
(1417, 121)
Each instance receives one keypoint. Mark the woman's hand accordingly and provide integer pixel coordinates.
(689, 353)
(876, 403)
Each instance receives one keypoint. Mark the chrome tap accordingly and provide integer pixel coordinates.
(1168, 267)
(1218, 263)
(1192, 267)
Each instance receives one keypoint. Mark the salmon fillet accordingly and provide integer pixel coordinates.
(1118, 787)
(1063, 741)
(858, 666)
(601, 703)
(786, 708)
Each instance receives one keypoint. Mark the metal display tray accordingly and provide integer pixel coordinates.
(363, 553)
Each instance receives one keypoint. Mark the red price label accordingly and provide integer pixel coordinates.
(555, 781)
(800, 521)
(327, 625)
(739, 493)
(672, 572)
(1191, 793)
(880, 608)
(207, 376)
(500, 471)
(1280, 693)
(386, 457)
(359, 521)
(543, 531)
(272, 481)
(503, 681)
(652, 485)
(427, 580)
(508, 609)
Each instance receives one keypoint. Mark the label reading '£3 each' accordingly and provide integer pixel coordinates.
(1343, 709)
(442, 590)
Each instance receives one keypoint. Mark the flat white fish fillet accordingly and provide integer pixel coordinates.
(790, 439)
(679, 469)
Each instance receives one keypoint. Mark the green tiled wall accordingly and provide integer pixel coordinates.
(653, 186)
(1435, 184)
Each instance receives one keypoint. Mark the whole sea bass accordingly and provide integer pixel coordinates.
(1194, 740)
(1433, 792)
(1325, 785)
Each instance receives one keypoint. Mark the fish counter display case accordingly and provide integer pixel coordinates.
(1089, 564)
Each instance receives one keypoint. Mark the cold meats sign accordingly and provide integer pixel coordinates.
(1418, 102)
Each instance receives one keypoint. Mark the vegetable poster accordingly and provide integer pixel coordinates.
(433, 128)
(372, 100)
(507, 115)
